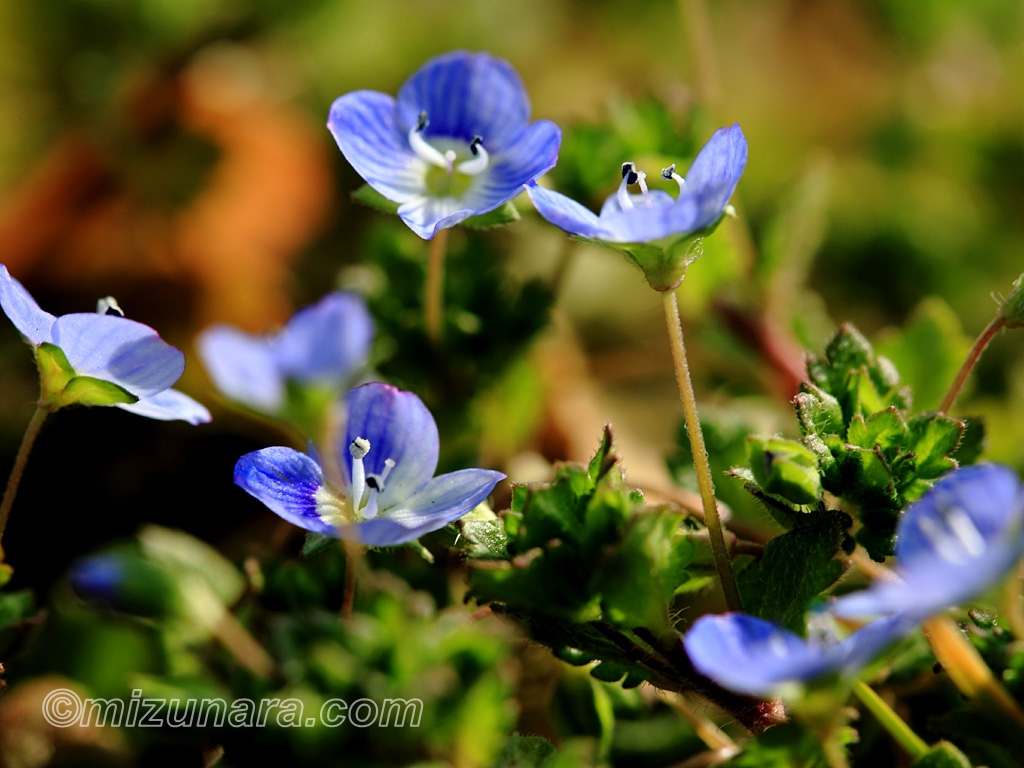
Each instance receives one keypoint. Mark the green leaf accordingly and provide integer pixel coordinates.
(934, 438)
(526, 752)
(794, 569)
(499, 217)
(317, 542)
(367, 195)
(943, 755)
(785, 468)
(885, 429)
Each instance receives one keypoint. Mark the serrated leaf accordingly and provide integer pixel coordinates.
(499, 217)
(794, 569)
(933, 439)
(885, 429)
(943, 755)
(367, 195)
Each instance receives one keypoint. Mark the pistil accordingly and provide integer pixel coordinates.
(364, 484)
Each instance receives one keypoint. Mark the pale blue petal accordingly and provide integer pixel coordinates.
(443, 500)
(31, 321)
(122, 351)
(752, 656)
(169, 405)
(426, 216)
(363, 124)
(533, 154)
(719, 165)
(565, 213)
(399, 427)
(328, 341)
(611, 207)
(242, 367)
(466, 95)
(645, 223)
(287, 482)
(958, 540)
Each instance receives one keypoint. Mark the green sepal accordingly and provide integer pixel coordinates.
(785, 468)
(1012, 307)
(60, 386)
(317, 542)
(506, 213)
(367, 195)
(818, 412)
(664, 261)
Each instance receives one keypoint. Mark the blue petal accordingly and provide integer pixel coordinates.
(645, 223)
(443, 500)
(31, 321)
(751, 656)
(122, 351)
(242, 367)
(719, 165)
(98, 578)
(363, 124)
(958, 540)
(426, 216)
(533, 154)
(564, 212)
(611, 205)
(287, 482)
(399, 427)
(169, 405)
(328, 341)
(466, 95)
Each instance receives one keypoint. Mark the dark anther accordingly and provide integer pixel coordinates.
(115, 311)
(422, 122)
(629, 173)
(475, 143)
(666, 173)
(372, 483)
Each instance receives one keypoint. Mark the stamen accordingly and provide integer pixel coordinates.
(670, 173)
(109, 306)
(641, 179)
(376, 482)
(423, 150)
(449, 160)
(358, 448)
(629, 176)
(480, 158)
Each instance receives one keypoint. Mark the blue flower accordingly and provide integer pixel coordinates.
(100, 358)
(378, 487)
(668, 226)
(956, 541)
(755, 657)
(455, 143)
(325, 344)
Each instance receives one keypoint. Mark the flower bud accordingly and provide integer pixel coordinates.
(784, 468)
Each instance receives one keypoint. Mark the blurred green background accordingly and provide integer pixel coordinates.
(173, 153)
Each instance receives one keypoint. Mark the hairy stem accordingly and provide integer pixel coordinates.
(901, 733)
(972, 358)
(700, 454)
(29, 438)
(433, 288)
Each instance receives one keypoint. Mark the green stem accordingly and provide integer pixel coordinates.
(972, 358)
(27, 440)
(911, 743)
(433, 288)
(700, 454)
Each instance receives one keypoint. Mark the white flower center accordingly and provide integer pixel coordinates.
(630, 175)
(444, 157)
(366, 487)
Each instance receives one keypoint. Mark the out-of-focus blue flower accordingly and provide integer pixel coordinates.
(455, 143)
(666, 225)
(100, 358)
(325, 344)
(956, 541)
(755, 657)
(378, 486)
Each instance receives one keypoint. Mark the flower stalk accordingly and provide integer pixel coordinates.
(980, 344)
(894, 725)
(700, 454)
(433, 288)
(27, 441)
